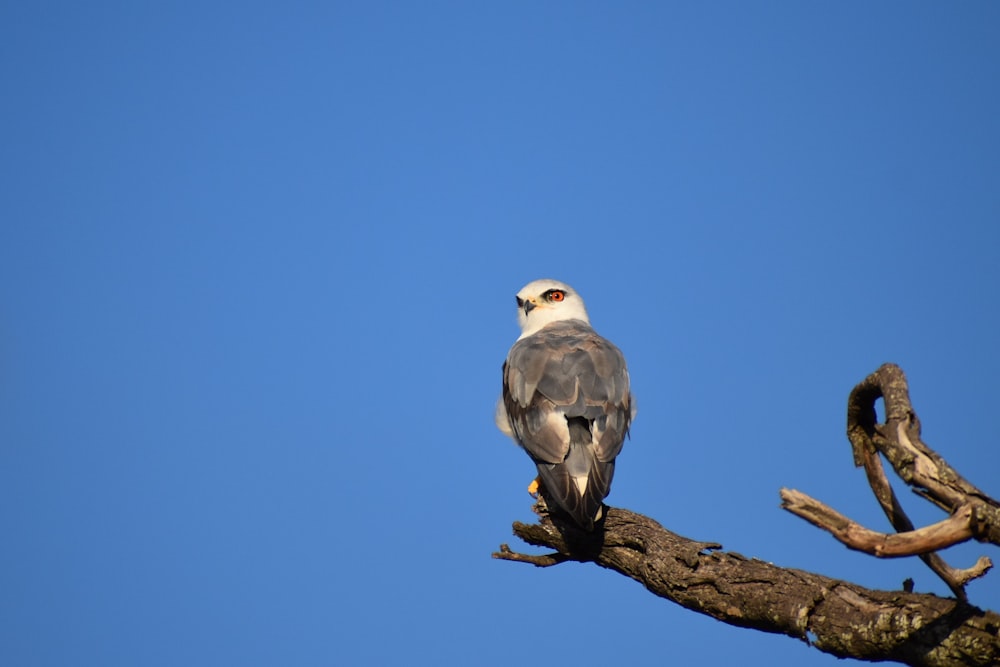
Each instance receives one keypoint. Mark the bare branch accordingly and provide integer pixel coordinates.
(973, 514)
(542, 560)
(836, 617)
(898, 439)
(953, 530)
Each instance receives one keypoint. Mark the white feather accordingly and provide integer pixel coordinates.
(545, 311)
(502, 420)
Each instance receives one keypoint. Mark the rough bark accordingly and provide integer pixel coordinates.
(835, 616)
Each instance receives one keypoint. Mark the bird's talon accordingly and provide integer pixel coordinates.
(533, 488)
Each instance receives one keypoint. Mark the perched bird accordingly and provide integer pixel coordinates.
(565, 399)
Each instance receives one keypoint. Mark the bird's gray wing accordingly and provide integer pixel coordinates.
(567, 370)
(566, 394)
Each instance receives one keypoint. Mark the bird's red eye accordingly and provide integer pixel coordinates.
(556, 295)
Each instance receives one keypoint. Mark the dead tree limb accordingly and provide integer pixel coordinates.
(836, 617)
(955, 529)
(973, 514)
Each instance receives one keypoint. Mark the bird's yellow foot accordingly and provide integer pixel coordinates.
(533, 488)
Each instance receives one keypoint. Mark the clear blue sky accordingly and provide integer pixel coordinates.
(257, 267)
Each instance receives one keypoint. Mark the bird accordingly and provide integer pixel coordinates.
(566, 400)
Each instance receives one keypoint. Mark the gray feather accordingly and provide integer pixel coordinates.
(566, 392)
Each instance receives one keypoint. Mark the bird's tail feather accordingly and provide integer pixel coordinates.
(562, 481)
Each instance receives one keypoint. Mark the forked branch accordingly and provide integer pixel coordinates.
(972, 513)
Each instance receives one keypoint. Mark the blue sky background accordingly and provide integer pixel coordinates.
(257, 267)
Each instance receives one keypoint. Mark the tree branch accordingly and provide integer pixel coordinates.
(957, 528)
(836, 617)
(973, 514)
(898, 439)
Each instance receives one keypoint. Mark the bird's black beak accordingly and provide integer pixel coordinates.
(528, 307)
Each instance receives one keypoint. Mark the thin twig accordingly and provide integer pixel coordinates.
(540, 560)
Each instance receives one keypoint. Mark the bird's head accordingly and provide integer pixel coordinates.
(545, 301)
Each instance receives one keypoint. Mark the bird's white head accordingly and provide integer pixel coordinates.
(545, 301)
